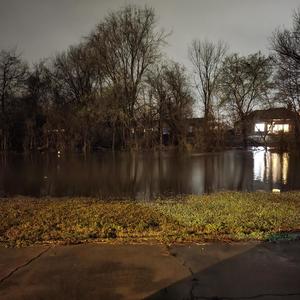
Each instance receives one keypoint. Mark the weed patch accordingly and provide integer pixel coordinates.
(220, 216)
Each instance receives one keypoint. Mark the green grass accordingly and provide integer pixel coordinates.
(221, 216)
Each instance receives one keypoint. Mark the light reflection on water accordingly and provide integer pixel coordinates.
(270, 167)
(148, 175)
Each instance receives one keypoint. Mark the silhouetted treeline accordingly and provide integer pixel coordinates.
(116, 89)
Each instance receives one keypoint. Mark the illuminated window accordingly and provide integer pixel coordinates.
(259, 127)
(280, 128)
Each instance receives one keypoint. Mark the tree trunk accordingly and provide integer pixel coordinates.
(84, 147)
(4, 141)
(297, 131)
(244, 134)
(113, 138)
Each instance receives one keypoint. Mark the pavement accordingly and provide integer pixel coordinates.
(102, 271)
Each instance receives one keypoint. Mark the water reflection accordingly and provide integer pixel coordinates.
(271, 168)
(147, 175)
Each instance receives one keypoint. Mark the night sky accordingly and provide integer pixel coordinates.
(40, 28)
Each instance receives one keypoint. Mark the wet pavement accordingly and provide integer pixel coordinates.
(102, 271)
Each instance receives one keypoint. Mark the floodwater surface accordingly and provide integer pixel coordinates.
(147, 175)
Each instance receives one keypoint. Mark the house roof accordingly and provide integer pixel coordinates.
(273, 113)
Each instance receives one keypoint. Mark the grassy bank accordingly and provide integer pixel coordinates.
(221, 216)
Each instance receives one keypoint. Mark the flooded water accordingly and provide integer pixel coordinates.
(147, 175)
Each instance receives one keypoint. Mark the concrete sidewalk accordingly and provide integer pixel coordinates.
(210, 271)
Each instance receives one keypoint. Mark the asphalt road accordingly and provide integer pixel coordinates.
(102, 271)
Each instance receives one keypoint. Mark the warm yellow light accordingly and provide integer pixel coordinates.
(259, 127)
(281, 128)
(285, 166)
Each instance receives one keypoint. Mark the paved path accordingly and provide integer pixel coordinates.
(211, 271)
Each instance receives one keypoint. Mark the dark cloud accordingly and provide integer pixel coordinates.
(42, 27)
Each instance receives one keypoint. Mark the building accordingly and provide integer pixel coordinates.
(189, 127)
(269, 126)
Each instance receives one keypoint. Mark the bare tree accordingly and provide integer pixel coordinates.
(125, 45)
(286, 47)
(180, 103)
(286, 42)
(74, 75)
(207, 58)
(76, 87)
(158, 95)
(13, 74)
(172, 90)
(34, 103)
(245, 85)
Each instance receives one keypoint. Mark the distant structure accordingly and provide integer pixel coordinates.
(191, 128)
(270, 126)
